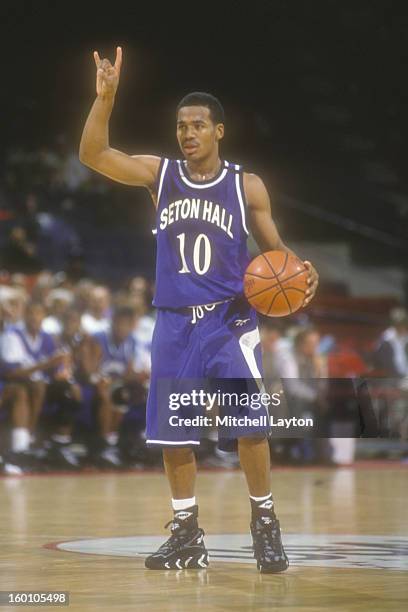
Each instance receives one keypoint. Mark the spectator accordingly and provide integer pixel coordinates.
(14, 306)
(19, 255)
(391, 355)
(83, 292)
(34, 370)
(97, 317)
(277, 355)
(119, 382)
(75, 341)
(306, 393)
(58, 302)
(42, 287)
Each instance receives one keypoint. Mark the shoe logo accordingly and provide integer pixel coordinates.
(266, 520)
(267, 504)
(241, 322)
(182, 515)
(200, 539)
(201, 561)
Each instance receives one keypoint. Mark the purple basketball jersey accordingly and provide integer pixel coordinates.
(201, 236)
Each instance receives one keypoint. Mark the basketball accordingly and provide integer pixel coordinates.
(275, 283)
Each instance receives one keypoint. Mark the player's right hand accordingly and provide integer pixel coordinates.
(107, 76)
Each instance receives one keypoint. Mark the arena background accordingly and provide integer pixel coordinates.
(315, 101)
(315, 95)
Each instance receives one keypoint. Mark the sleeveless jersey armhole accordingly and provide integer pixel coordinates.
(239, 183)
(164, 162)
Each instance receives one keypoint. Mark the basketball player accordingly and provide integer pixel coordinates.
(118, 381)
(205, 207)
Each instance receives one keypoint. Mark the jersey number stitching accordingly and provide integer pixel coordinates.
(200, 269)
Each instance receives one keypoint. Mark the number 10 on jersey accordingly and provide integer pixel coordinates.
(201, 254)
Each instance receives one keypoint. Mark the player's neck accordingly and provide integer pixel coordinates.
(204, 170)
(32, 333)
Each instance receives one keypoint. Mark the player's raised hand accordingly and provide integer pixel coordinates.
(107, 76)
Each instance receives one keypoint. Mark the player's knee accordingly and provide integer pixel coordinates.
(252, 441)
(178, 455)
(37, 389)
(15, 392)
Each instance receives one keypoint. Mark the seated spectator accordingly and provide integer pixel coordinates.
(119, 382)
(277, 355)
(97, 317)
(391, 361)
(391, 355)
(57, 302)
(82, 294)
(14, 306)
(42, 287)
(75, 341)
(35, 371)
(19, 255)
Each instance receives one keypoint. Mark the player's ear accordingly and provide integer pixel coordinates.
(219, 131)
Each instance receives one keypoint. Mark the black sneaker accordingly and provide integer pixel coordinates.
(109, 458)
(27, 461)
(9, 469)
(60, 456)
(185, 549)
(268, 549)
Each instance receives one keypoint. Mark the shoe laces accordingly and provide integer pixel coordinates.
(270, 534)
(178, 535)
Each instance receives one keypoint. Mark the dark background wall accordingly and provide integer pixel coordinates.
(315, 95)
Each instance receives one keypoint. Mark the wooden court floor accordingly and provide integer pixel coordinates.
(368, 503)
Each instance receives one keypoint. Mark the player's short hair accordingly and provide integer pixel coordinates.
(201, 98)
(303, 334)
(123, 312)
(36, 303)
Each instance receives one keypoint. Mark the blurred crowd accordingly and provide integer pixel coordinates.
(352, 394)
(75, 367)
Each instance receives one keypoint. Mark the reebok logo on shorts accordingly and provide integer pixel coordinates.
(240, 322)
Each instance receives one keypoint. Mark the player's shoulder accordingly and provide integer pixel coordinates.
(252, 180)
(10, 334)
(46, 336)
(98, 336)
(253, 185)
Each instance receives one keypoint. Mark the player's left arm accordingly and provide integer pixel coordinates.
(264, 229)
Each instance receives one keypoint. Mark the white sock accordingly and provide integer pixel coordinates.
(261, 504)
(61, 438)
(183, 504)
(112, 438)
(20, 439)
(261, 499)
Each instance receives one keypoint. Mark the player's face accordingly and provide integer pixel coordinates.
(310, 344)
(72, 323)
(122, 328)
(197, 135)
(34, 318)
(269, 338)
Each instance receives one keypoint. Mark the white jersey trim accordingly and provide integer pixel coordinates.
(197, 184)
(240, 199)
(248, 342)
(163, 172)
(172, 443)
